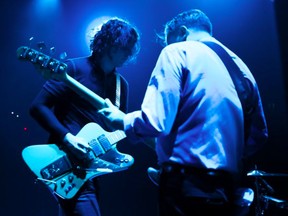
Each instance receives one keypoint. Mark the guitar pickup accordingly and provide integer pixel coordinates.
(104, 142)
(97, 149)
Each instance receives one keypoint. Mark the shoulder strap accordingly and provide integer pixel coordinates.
(118, 90)
(243, 86)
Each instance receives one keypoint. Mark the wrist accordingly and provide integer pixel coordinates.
(67, 137)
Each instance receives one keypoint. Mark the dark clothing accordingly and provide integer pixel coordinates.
(72, 112)
(192, 191)
(86, 202)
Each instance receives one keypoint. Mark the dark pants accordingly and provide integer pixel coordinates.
(189, 191)
(83, 204)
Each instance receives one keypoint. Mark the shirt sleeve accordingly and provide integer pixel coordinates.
(41, 111)
(257, 131)
(160, 103)
(52, 93)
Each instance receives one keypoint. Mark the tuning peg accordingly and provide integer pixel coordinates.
(52, 51)
(31, 39)
(63, 55)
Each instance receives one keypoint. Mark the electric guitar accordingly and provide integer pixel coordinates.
(62, 173)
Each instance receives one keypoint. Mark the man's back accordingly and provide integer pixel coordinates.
(208, 103)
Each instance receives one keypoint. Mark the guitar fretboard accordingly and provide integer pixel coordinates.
(116, 136)
(85, 92)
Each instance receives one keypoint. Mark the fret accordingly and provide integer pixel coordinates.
(85, 92)
(116, 136)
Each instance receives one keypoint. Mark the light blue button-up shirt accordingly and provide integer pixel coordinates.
(192, 108)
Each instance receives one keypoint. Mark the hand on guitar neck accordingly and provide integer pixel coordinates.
(112, 116)
(77, 146)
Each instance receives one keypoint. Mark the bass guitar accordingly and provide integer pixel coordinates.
(62, 173)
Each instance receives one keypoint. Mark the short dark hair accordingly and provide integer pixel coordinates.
(117, 33)
(193, 18)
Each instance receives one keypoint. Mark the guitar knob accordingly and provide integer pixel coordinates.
(125, 160)
(69, 188)
(70, 178)
(62, 183)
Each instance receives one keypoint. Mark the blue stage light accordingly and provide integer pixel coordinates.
(93, 27)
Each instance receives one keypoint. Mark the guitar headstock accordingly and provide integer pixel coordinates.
(49, 67)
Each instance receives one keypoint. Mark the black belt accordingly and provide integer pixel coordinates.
(189, 170)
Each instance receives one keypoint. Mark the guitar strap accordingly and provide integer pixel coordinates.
(118, 90)
(243, 85)
(118, 86)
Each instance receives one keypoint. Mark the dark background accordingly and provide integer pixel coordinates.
(254, 29)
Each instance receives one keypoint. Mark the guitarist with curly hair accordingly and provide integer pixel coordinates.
(63, 112)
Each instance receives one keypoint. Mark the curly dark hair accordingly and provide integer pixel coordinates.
(193, 18)
(117, 33)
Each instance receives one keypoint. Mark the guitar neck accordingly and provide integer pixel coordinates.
(96, 101)
(57, 70)
(116, 136)
(85, 92)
